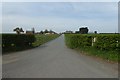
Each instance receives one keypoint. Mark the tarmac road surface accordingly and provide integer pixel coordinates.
(55, 60)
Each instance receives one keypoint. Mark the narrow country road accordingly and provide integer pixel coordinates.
(55, 60)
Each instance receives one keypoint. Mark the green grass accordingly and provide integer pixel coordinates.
(106, 55)
(41, 39)
(104, 48)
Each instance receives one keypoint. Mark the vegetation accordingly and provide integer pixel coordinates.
(11, 42)
(14, 42)
(102, 45)
(18, 30)
(41, 39)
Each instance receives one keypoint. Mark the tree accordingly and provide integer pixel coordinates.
(83, 30)
(95, 32)
(46, 31)
(41, 32)
(33, 30)
(77, 32)
(50, 31)
(21, 30)
(18, 30)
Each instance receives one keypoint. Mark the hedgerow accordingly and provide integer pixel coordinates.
(103, 41)
(106, 46)
(78, 40)
(15, 42)
(107, 42)
(12, 41)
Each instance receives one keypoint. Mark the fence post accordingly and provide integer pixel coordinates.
(93, 41)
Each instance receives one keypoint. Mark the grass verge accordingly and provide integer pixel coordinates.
(104, 46)
(111, 56)
(41, 39)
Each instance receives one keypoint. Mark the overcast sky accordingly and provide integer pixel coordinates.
(60, 16)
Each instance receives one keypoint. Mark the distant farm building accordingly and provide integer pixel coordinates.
(69, 32)
(31, 32)
(83, 30)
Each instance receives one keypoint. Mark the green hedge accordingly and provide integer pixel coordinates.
(15, 40)
(103, 41)
(106, 46)
(107, 42)
(78, 40)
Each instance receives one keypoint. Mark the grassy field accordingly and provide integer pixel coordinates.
(106, 46)
(40, 39)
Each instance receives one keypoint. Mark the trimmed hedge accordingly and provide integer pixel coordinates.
(15, 40)
(103, 41)
(78, 40)
(107, 42)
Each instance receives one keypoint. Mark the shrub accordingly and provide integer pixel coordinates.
(15, 40)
